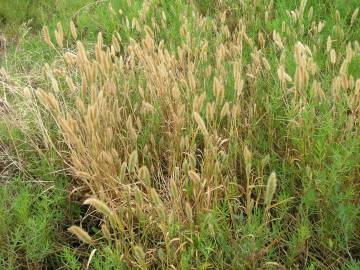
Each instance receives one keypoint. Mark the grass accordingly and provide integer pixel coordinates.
(30, 217)
(186, 134)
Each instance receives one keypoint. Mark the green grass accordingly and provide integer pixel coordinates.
(30, 215)
(316, 221)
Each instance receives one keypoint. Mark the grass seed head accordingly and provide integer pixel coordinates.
(140, 257)
(201, 124)
(144, 175)
(328, 44)
(354, 16)
(248, 160)
(81, 234)
(46, 37)
(270, 189)
(98, 205)
(73, 30)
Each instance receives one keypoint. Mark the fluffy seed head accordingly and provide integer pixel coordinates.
(98, 205)
(270, 189)
(46, 36)
(81, 234)
(328, 44)
(201, 124)
(194, 176)
(248, 160)
(140, 256)
(354, 16)
(73, 30)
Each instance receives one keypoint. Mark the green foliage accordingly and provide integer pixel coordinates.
(14, 13)
(29, 218)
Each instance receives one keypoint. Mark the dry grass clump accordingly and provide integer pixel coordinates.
(162, 138)
(156, 177)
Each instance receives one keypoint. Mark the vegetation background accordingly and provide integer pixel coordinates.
(182, 134)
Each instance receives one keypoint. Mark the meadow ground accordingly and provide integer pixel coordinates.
(183, 134)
